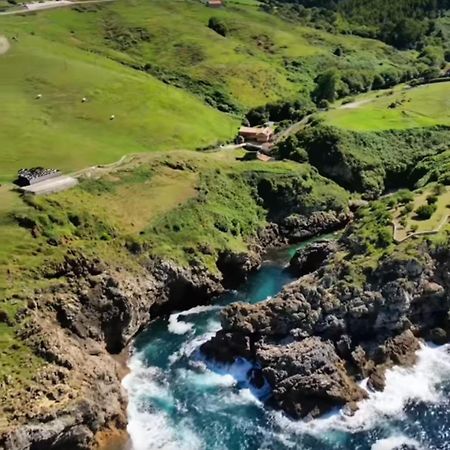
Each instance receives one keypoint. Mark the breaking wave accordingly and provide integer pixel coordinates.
(179, 401)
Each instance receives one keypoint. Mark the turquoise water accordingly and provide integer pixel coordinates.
(178, 402)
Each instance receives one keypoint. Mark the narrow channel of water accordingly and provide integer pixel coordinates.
(176, 402)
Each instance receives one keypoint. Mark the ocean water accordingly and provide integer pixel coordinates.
(177, 401)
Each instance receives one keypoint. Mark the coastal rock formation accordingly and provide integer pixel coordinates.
(308, 377)
(323, 334)
(77, 327)
(81, 325)
(309, 259)
(236, 267)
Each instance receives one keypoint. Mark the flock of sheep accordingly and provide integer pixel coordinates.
(83, 100)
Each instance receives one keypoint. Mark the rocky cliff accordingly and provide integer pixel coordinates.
(323, 334)
(78, 327)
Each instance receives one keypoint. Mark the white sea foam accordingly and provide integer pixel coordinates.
(150, 427)
(192, 345)
(178, 326)
(418, 383)
(396, 441)
(239, 371)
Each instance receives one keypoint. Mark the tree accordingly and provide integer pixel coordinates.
(405, 33)
(326, 86)
(432, 199)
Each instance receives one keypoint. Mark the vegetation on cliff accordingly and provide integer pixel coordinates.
(88, 84)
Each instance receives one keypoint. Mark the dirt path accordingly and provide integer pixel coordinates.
(294, 128)
(355, 105)
(4, 45)
(36, 6)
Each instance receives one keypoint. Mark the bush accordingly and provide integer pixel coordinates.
(439, 189)
(432, 199)
(384, 237)
(404, 196)
(424, 212)
(323, 104)
(409, 207)
(217, 25)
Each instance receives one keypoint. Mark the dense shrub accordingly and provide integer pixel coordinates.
(294, 110)
(365, 162)
(218, 25)
(424, 212)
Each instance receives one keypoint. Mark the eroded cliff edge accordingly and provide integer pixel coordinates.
(328, 331)
(102, 285)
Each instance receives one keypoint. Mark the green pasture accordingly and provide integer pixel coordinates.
(422, 106)
(58, 130)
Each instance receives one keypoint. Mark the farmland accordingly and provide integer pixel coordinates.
(397, 109)
(169, 81)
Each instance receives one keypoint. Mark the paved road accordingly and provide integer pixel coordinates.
(51, 5)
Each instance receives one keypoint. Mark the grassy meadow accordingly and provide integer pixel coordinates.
(158, 68)
(59, 130)
(397, 109)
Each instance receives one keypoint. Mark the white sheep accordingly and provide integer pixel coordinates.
(112, 117)
(39, 96)
(84, 100)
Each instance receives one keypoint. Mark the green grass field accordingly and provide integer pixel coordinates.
(401, 108)
(115, 54)
(58, 130)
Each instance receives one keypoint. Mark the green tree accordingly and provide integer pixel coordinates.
(424, 212)
(326, 86)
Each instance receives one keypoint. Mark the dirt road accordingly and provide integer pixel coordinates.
(36, 6)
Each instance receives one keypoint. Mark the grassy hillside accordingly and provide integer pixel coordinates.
(116, 55)
(59, 130)
(402, 108)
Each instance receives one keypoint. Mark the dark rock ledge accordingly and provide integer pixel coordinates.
(321, 334)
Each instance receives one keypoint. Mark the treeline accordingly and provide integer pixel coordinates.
(401, 23)
(370, 162)
(282, 111)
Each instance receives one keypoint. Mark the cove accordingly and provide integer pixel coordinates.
(177, 402)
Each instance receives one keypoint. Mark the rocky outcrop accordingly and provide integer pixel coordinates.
(322, 334)
(77, 327)
(308, 377)
(297, 228)
(309, 259)
(300, 227)
(236, 267)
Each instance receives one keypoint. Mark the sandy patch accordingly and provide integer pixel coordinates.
(4, 45)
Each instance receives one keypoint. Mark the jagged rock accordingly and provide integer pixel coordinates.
(226, 347)
(438, 336)
(367, 328)
(300, 227)
(309, 259)
(377, 380)
(235, 267)
(307, 377)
